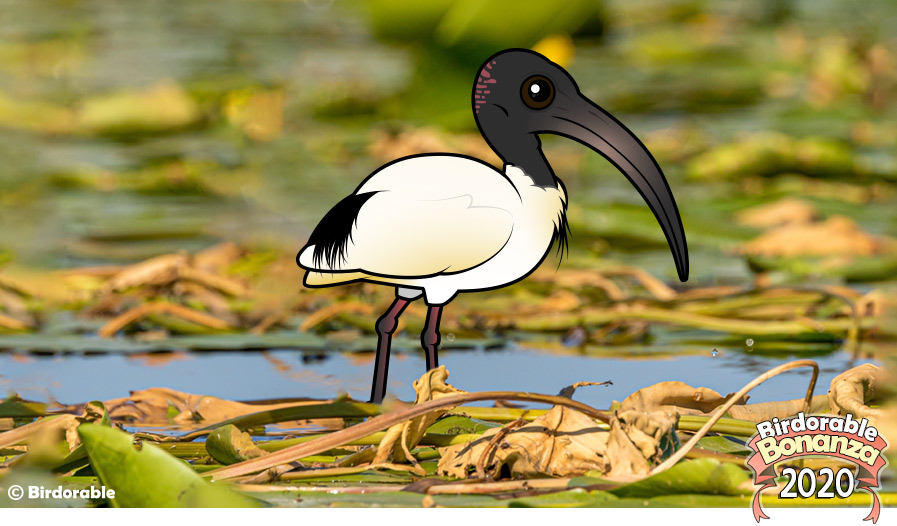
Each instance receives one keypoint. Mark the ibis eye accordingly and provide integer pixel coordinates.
(537, 92)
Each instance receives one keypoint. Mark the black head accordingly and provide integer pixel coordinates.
(514, 88)
(519, 94)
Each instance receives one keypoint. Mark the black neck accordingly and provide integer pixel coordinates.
(526, 153)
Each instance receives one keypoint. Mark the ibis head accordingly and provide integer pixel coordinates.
(520, 94)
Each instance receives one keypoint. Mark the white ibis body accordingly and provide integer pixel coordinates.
(439, 224)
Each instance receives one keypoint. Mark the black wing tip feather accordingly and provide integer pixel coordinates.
(332, 235)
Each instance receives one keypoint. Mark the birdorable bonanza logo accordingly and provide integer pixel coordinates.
(845, 438)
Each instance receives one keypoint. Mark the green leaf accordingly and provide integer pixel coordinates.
(148, 477)
(683, 501)
(460, 425)
(722, 444)
(15, 407)
(576, 497)
(229, 445)
(701, 476)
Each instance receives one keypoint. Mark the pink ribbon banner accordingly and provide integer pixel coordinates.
(852, 447)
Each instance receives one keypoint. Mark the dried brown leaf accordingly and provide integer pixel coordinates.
(687, 400)
(401, 438)
(212, 300)
(123, 320)
(680, 396)
(853, 390)
(837, 236)
(10, 323)
(51, 429)
(778, 409)
(46, 425)
(654, 286)
(159, 270)
(223, 284)
(787, 211)
(216, 258)
(562, 442)
(560, 300)
(637, 441)
(153, 406)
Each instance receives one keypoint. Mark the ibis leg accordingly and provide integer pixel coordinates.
(386, 326)
(429, 339)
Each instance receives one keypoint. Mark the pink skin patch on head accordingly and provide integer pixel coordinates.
(483, 82)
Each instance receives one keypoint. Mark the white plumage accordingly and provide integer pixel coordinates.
(442, 224)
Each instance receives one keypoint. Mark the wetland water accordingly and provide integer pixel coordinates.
(284, 374)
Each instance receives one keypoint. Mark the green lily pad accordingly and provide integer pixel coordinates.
(148, 477)
(701, 476)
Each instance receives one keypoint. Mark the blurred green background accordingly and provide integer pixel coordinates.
(129, 130)
(132, 129)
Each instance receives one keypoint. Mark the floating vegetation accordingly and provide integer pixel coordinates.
(798, 240)
(773, 154)
(209, 300)
(665, 439)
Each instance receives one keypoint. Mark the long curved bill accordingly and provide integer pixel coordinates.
(585, 122)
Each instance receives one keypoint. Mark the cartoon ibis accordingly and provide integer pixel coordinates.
(438, 224)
